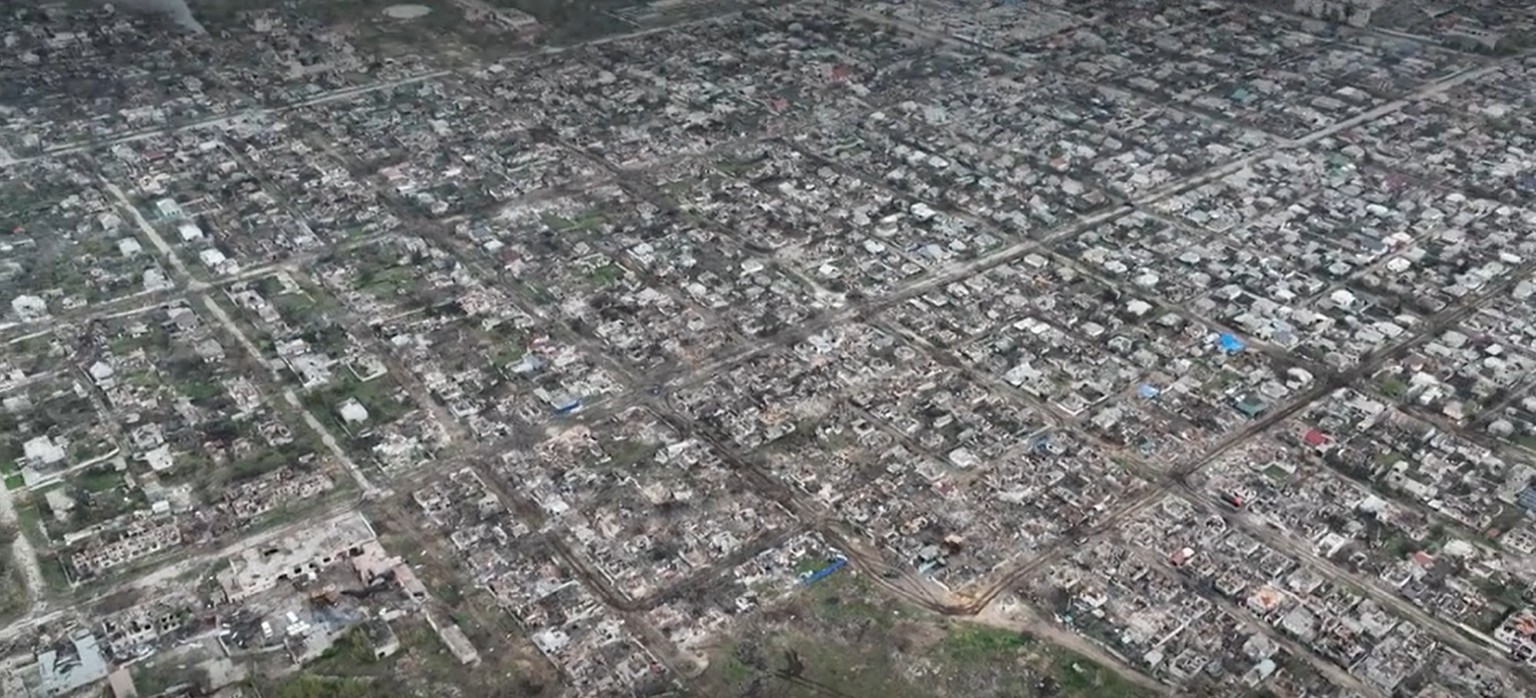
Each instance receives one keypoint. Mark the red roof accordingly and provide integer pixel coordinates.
(1314, 437)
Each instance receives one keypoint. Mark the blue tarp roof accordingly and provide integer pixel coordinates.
(1230, 343)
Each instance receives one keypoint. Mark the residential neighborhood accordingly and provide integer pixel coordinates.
(474, 347)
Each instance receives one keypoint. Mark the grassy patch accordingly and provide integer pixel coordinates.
(378, 396)
(1508, 593)
(312, 686)
(557, 222)
(809, 563)
(860, 669)
(1219, 384)
(390, 282)
(349, 655)
(607, 275)
(14, 482)
(735, 671)
(1276, 473)
(1080, 677)
(1508, 518)
(508, 354)
(1525, 440)
(30, 520)
(590, 219)
(53, 573)
(845, 597)
(625, 452)
(291, 305)
(1401, 546)
(157, 675)
(737, 167)
(201, 390)
(101, 479)
(143, 379)
(973, 643)
(844, 636)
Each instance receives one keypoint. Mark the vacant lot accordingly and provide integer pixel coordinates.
(840, 638)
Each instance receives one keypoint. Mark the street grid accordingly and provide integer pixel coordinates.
(654, 393)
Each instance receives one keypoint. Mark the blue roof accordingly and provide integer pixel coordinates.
(1528, 499)
(1230, 343)
(1147, 391)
